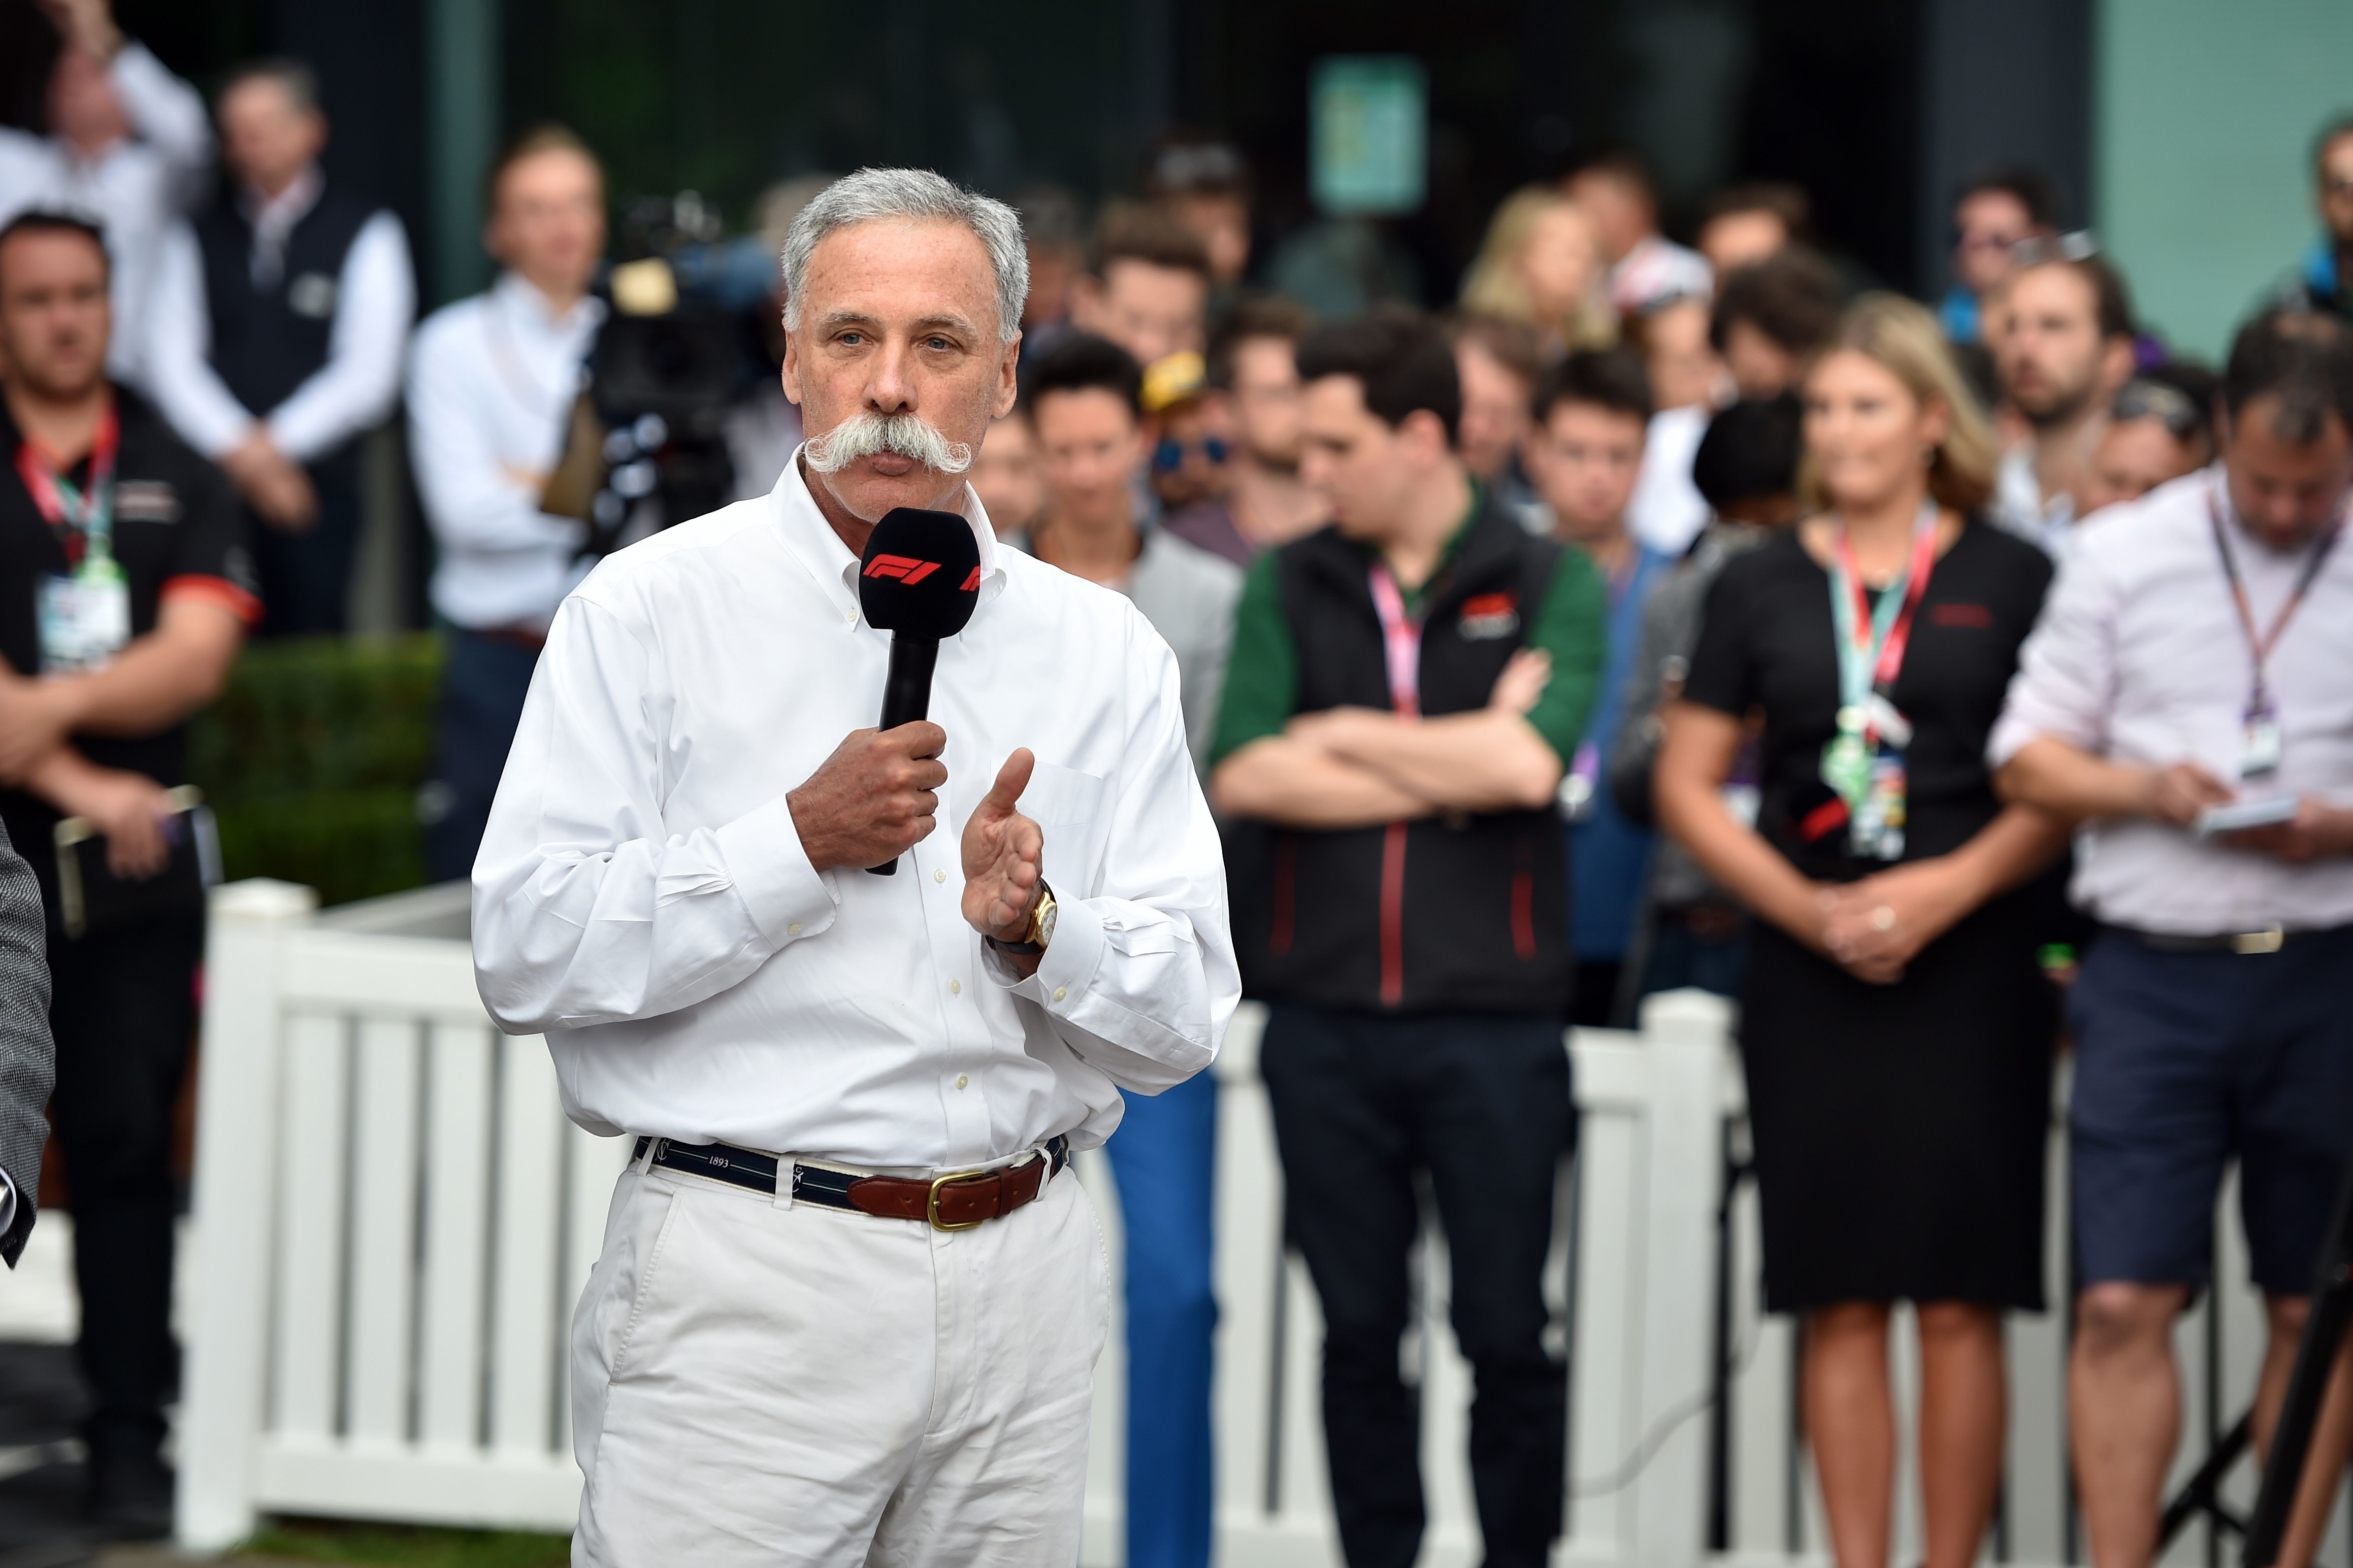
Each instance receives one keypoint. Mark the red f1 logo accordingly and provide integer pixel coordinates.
(971, 583)
(905, 568)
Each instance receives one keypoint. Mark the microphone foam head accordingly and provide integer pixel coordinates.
(921, 572)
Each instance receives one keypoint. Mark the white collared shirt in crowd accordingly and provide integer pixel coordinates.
(2139, 657)
(2019, 506)
(376, 304)
(642, 896)
(134, 190)
(491, 381)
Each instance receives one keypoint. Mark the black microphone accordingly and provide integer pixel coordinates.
(918, 579)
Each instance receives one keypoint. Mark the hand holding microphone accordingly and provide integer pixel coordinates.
(877, 796)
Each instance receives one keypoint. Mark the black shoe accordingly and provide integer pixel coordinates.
(129, 1495)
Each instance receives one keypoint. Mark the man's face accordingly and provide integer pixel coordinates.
(53, 315)
(1267, 401)
(1151, 311)
(548, 222)
(1739, 239)
(1620, 212)
(268, 139)
(898, 318)
(1684, 367)
(1361, 468)
(1092, 444)
(1585, 459)
(1987, 224)
(1494, 409)
(1221, 222)
(1759, 366)
(2134, 457)
(2049, 353)
(2285, 491)
(2337, 190)
(83, 106)
(1006, 475)
(1191, 446)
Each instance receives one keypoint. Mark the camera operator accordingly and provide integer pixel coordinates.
(492, 381)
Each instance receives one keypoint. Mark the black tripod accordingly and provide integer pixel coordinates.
(2316, 1357)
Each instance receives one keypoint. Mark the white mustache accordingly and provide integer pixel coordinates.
(866, 433)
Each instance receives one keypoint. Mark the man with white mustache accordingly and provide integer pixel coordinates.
(849, 1297)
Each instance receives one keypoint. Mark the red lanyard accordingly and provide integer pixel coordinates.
(1401, 641)
(1899, 633)
(74, 515)
(2260, 644)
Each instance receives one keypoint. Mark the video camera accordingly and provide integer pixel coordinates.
(679, 349)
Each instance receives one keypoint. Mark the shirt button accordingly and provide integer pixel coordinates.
(963, 1081)
(1060, 992)
(794, 929)
(955, 988)
(940, 875)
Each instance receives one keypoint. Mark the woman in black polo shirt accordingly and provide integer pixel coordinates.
(1896, 1029)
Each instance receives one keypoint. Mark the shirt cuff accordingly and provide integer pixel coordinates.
(788, 897)
(1070, 962)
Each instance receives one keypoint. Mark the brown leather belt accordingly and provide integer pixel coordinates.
(953, 1200)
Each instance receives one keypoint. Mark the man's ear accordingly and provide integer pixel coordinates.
(1424, 434)
(791, 372)
(2119, 357)
(1009, 379)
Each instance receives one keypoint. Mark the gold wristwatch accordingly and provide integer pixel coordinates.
(1041, 929)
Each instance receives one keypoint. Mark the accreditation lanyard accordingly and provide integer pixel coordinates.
(82, 516)
(1401, 642)
(2261, 741)
(1872, 639)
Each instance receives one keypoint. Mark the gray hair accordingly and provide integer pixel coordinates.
(911, 195)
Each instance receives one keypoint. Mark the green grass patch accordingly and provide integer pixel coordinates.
(406, 1546)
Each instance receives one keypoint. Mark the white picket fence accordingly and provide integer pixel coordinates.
(393, 1218)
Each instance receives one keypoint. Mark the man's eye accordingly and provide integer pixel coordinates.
(851, 338)
(940, 344)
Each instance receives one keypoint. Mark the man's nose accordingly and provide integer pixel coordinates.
(889, 390)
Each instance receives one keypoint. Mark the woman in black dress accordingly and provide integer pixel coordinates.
(1897, 1029)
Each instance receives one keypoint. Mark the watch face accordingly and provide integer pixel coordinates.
(1045, 923)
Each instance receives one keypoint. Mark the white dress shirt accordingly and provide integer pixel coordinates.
(1666, 510)
(642, 896)
(491, 381)
(2018, 507)
(376, 304)
(134, 190)
(2139, 657)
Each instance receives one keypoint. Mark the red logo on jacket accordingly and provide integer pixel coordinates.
(1488, 616)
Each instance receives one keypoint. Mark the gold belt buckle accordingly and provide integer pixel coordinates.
(2269, 940)
(931, 1206)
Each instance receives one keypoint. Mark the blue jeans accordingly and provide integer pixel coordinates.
(1163, 1157)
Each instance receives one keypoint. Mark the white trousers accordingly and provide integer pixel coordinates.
(756, 1384)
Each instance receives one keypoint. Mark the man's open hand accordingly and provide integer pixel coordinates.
(1002, 854)
(874, 799)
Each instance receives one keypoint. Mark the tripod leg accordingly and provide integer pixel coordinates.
(2318, 1365)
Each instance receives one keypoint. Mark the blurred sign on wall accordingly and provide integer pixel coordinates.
(1369, 137)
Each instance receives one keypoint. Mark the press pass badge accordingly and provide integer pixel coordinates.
(85, 617)
(2260, 741)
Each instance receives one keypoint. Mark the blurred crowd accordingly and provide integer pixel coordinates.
(1648, 617)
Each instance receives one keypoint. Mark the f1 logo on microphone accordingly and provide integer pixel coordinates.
(905, 568)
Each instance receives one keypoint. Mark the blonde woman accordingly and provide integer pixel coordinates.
(1541, 266)
(1896, 1029)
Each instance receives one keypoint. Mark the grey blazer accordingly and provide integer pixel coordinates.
(27, 1059)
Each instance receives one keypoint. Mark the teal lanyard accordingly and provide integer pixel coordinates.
(1863, 665)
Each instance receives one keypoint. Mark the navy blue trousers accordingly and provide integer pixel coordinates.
(1164, 1158)
(483, 688)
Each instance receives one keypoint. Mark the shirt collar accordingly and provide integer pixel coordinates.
(280, 212)
(822, 554)
(521, 299)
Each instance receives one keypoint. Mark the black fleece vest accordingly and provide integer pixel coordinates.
(1464, 913)
(267, 342)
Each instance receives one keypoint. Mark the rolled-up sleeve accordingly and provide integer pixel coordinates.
(2066, 685)
(1140, 978)
(586, 909)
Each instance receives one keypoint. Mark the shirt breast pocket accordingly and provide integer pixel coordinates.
(1069, 808)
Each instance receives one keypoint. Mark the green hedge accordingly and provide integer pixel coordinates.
(313, 758)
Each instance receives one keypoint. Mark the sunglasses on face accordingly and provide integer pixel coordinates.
(1169, 454)
(2170, 406)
